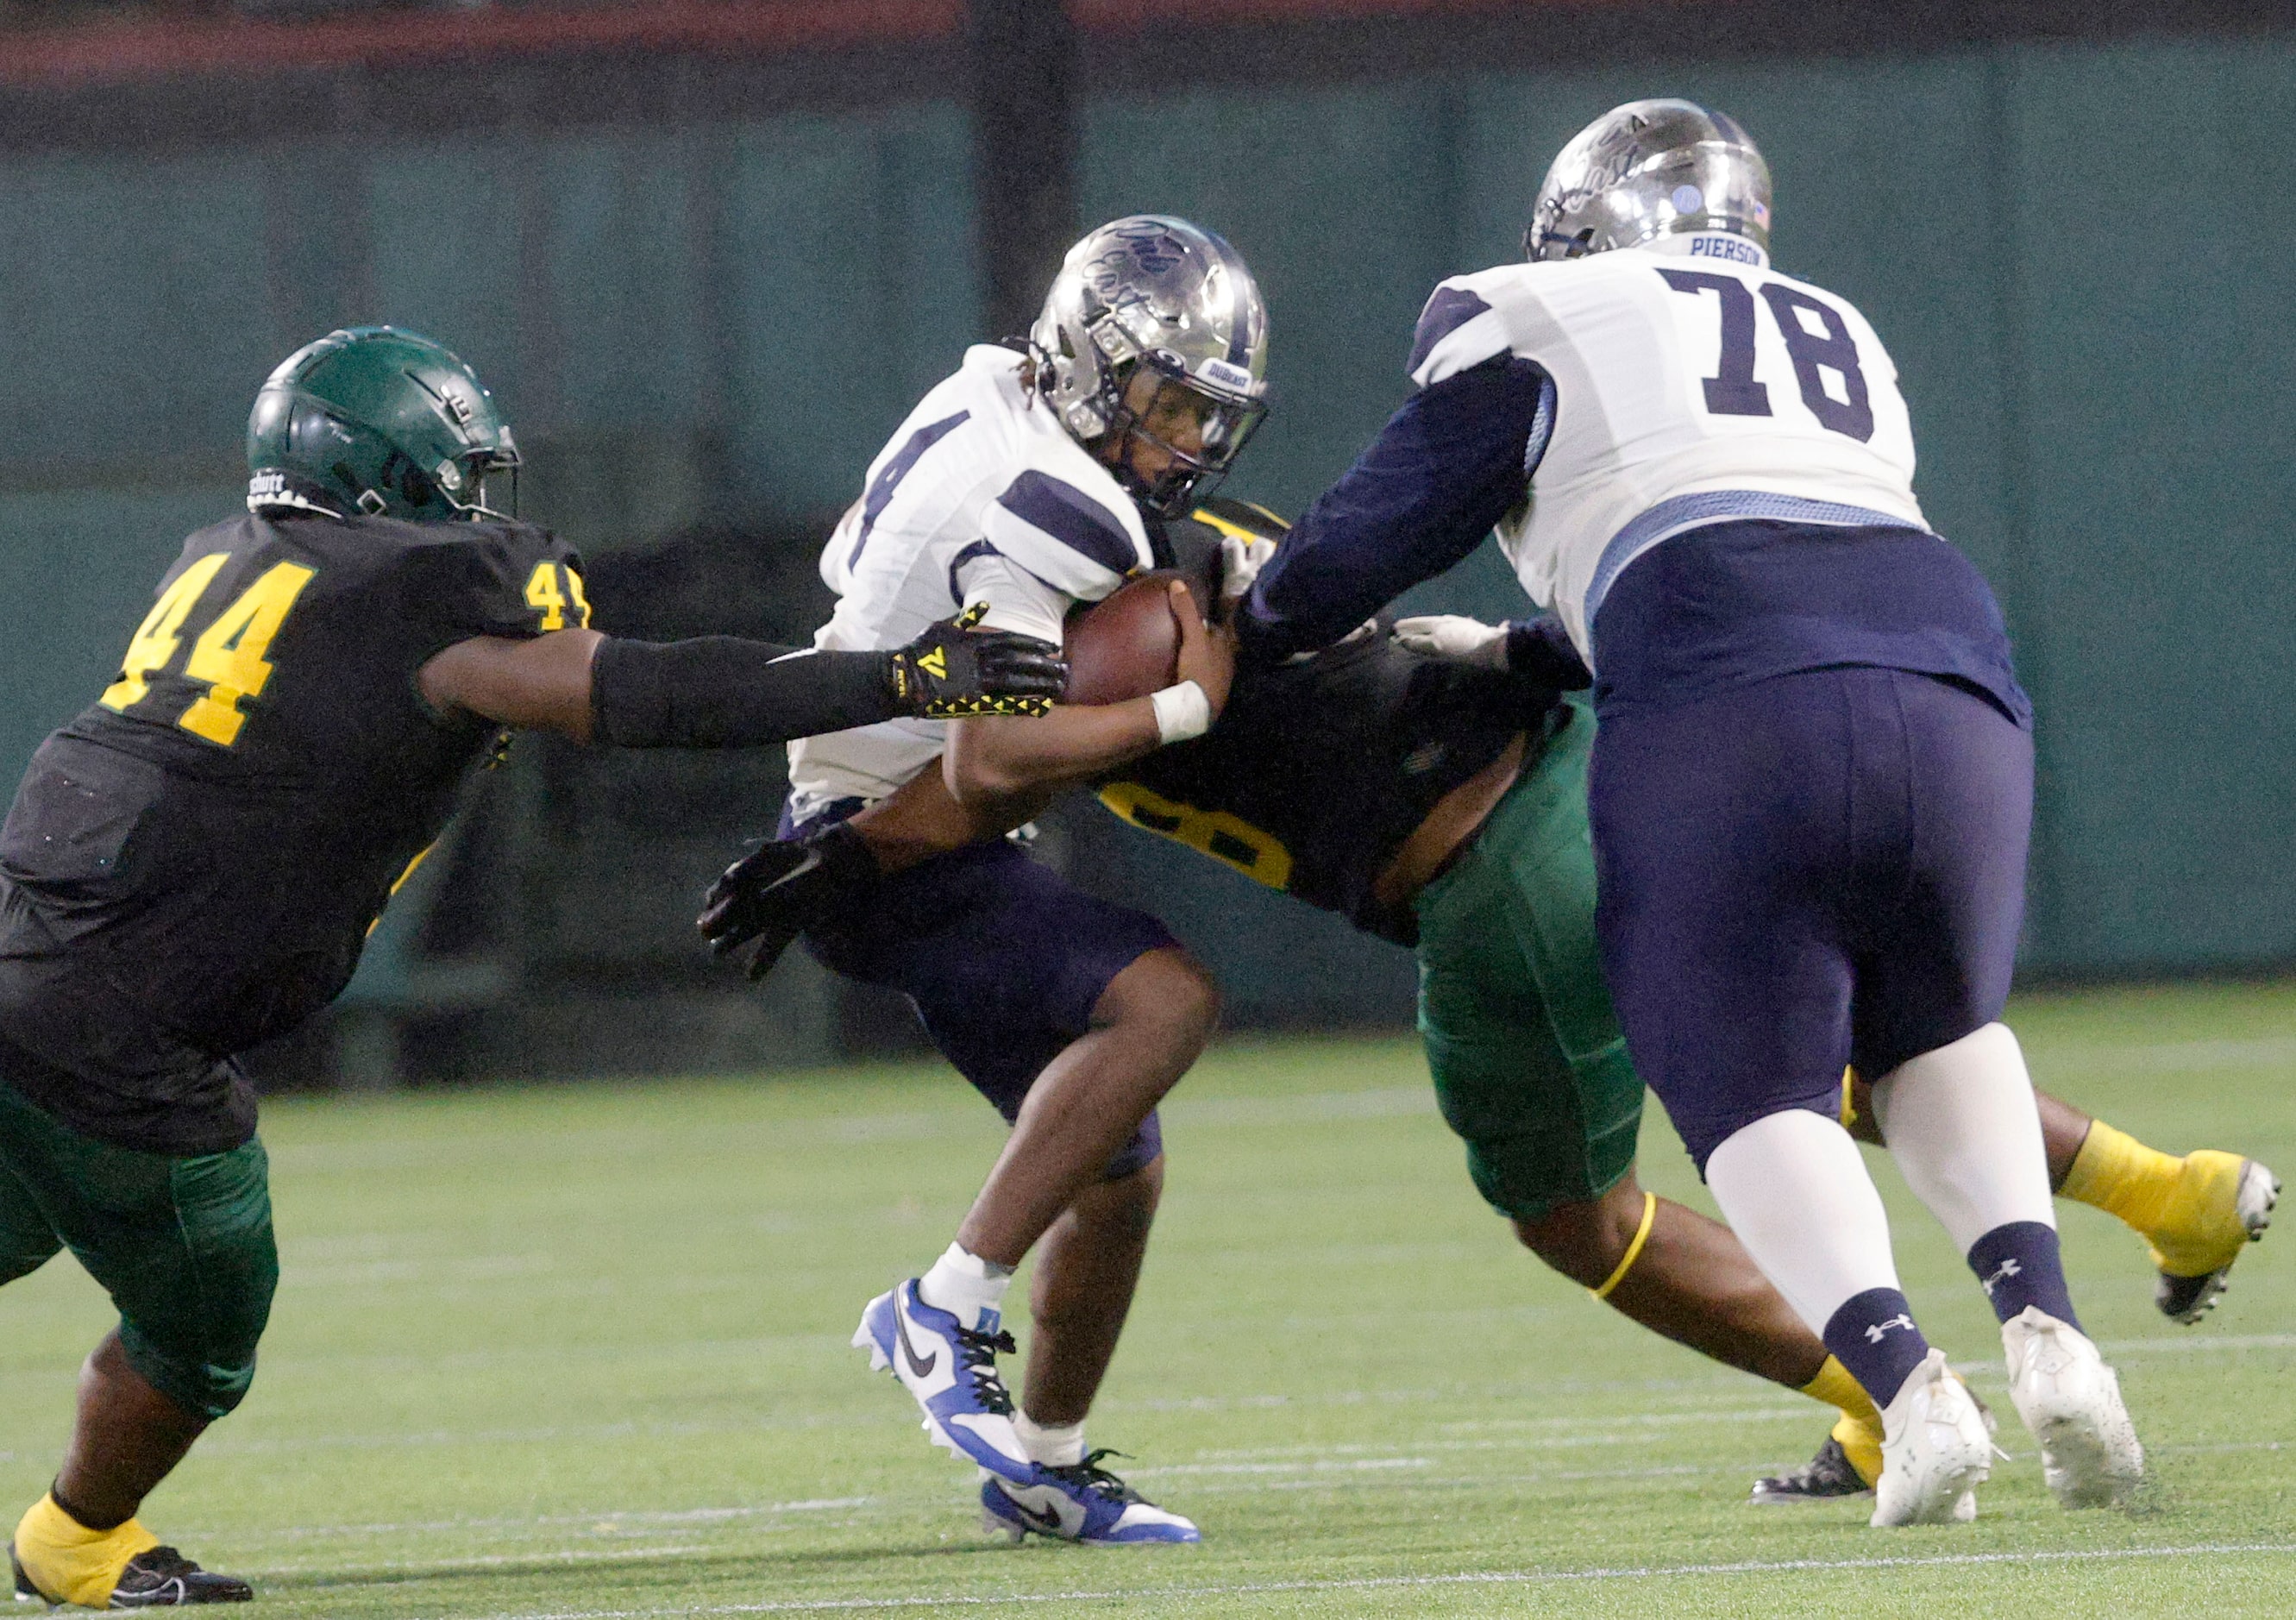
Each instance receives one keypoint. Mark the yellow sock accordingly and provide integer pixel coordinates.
(2187, 1209)
(70, 1563)
(1859, 1429)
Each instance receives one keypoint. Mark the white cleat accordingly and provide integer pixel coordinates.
(951, 1371)
(2072, 1402)
(1935, 1450)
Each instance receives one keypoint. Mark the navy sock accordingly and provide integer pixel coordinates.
(2020, 1266)
(1873, 1336)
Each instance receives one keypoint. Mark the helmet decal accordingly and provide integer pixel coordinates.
(381, 421)
(1152, 291)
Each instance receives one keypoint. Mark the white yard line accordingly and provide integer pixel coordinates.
(1385, 1102)
(377, 1155)
(1355, 1465)
(2170, 1056)
(486, 1561)
(1250, 1474)
(2201, 1345)
(1590, 1431)
(1527, 1578)
(689, 1516)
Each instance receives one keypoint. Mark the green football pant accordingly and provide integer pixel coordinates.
(184, 1246)
(1530, 1065)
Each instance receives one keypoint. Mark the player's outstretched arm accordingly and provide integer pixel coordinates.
(1537, 652)
(726, 692)
(1448, 465)
(993, 762)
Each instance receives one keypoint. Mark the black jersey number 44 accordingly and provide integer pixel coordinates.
(192, 864)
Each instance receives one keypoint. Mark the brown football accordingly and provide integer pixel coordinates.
(1126, 645)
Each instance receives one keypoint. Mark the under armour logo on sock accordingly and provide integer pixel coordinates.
(1901, 1320)
(2009, 1269)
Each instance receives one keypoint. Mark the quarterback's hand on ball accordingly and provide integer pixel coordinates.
(1456, 639)
(1207, 655)
(954, 670)
(774, 894)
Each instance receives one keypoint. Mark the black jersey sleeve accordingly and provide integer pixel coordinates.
(465, 580)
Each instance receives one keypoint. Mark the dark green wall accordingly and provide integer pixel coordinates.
(681, 324)
(2077, 256)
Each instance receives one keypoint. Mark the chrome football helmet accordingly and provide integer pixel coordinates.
(1150, 292)
(1645, 171)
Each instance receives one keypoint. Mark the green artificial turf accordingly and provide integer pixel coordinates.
(582, 1351)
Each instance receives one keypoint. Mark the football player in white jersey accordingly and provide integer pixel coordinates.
(1019, 484)
(1811, 789)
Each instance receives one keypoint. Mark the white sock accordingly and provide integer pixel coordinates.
(1795, 1191)
(1962, 1124)
(1059, 1445)
(971, 1289)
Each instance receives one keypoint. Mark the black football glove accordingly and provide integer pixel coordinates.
(953, 670)
(774, 894)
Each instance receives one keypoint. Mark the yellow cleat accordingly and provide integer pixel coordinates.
(59, 1561)
(2221, 1203)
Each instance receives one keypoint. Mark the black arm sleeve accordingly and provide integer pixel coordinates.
(723, 692)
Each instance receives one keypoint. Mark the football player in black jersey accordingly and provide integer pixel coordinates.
(1431, 787)
(190, 865)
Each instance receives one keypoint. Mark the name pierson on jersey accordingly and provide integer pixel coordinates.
(1721, 244)
(1690, 385)
(980, 495)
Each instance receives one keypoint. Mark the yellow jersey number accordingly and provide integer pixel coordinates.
(228, 655)
(554, 591)
(1226, 838)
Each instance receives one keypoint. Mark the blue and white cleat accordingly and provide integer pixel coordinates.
(1082, 1502)
(951, 1369)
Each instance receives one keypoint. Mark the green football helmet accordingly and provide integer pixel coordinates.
(382, 421)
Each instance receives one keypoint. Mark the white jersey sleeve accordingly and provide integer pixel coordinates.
(1016, 599)
(1082, 545)
(980, 497)
(1691, 387)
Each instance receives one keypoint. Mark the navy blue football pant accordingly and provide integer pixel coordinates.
(1002, 959)
(1820, 869)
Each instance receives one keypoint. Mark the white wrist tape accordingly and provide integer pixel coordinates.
(1182, 711)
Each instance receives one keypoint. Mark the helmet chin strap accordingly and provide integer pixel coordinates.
(478, 510)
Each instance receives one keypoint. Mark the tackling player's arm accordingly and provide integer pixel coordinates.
(991, 762)
(725, 692)
(1453, 461)
(1536, 652)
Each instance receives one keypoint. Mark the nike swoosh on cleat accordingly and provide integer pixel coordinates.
(920, 1366)
(1048, 1522)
